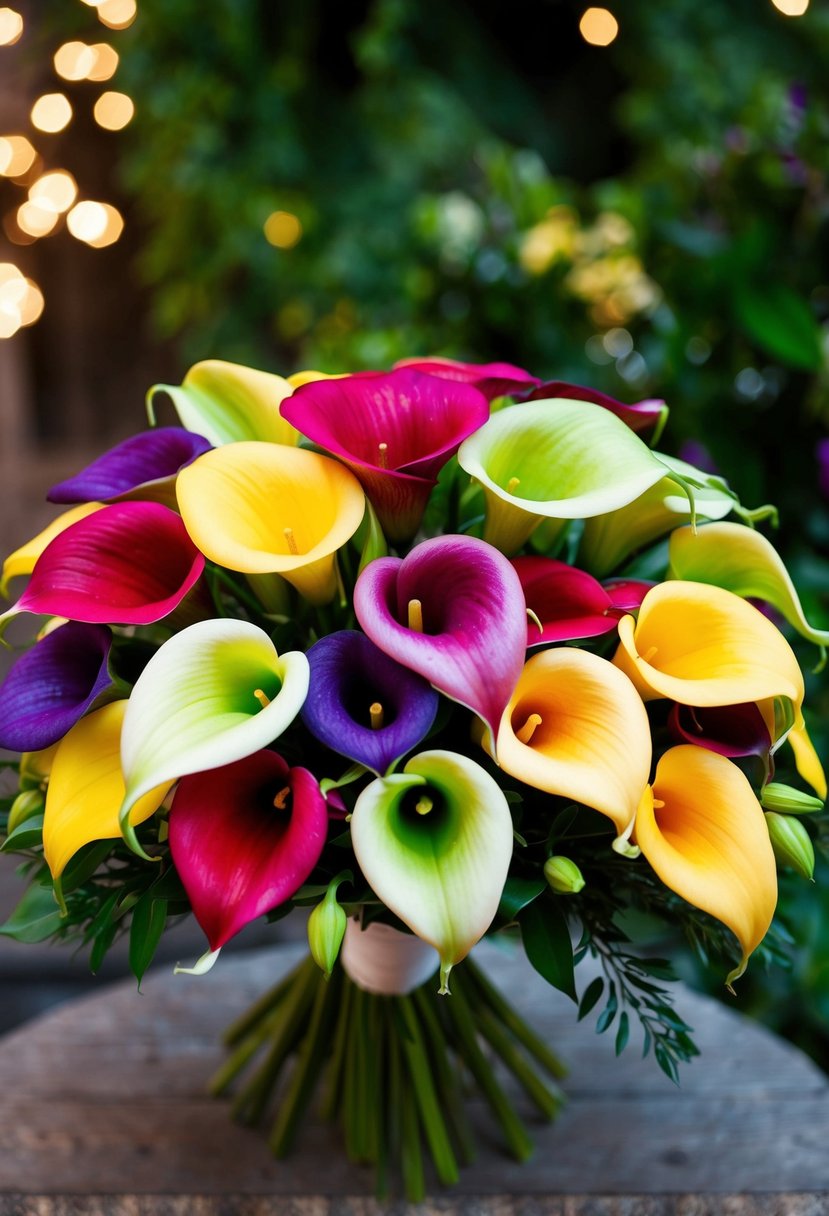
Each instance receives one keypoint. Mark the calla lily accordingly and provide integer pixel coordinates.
(227, 402)
(611, 538)
(52, 685)
(395, 430)
(568, 602)
(729, 730)
(244, 838)
(806, 758)
(576, 727)
(260, 508)
(363, 704)
(435, 842)
(555, 459)
(704, 833)
(149, 461)
(212, 694)
(701, 645)
(86, 788)
(492, 379)
(743, 561)
(453, 611)
(626, 594)
(130, 563)
(644, 416)
(22, 561)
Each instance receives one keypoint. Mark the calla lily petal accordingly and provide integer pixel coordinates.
(557, 459)
(363, 704)
(244, 838)
(149, 460)
(86, 788)
(642, 417)
(395, 430)
(568, 602)
(703, 831)
(574, 728)
(52, 685)
(492, 379)
(227, 402)
(470, 643)
(130, 563)
(743, 561)
(806, 758)
(212, 694)
(22, 561)
(701, 645)
(626, 594)
(729, 730)
(260, 508)
(435, 842)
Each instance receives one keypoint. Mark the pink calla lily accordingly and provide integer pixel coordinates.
(394, 430)
(453, 611)
(492, 379)
(644, 416)
(568, 602)
(244, 838)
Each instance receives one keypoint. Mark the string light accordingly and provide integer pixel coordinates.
(97, 224)
(74, 60)
(51, 112)
(117, 14)
(791, 8)
(11, 26)
(16, 155)
(106, 62)
(54, 191)
(36, 221)
(598, 26)
(283, 229)
(113, 111)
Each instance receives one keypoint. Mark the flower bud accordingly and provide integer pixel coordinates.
(563, 875)
(27, 804)
(785, 798)
(326, 928)
(791, 843)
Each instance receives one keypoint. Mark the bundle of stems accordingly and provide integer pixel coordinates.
(393, 1071)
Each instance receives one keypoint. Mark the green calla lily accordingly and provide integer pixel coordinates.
(743, 561)
(227, 402)
(214, 693)
(435, 842)
(554, 459)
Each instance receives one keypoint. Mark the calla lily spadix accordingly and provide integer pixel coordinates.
(244, 838)
(492, 379)
(643, 417)
(453, 611)
(743, 561)
(576, 727)
(130, 563)
(22, 561)
(227, 402)
(364, 704)
(262, 508)
(212, 694)
(86, 788)
(394, 430)
(435, 842)
(555, 459)
(568, 602)
(149, 462)
(52, 685)
(703, 831)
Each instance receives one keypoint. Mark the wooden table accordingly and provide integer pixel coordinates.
(102, 1110)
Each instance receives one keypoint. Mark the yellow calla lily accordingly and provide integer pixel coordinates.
(575, 726)
(227, 402)
(86, 788)
(806, 759)
(701, 645)
(704, 832)
(263, 508)
(22, 561)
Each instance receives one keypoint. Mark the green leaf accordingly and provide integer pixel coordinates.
(84, 864)
(518, 893)
(590, 996)
(622, 1034)
(609, 1012)
(35, 918)
(547, 943)
(148, 920)
(781, 323)
(27, 835)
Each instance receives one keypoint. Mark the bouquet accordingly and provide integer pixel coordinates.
(431, 653)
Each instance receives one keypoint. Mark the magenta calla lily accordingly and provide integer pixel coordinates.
(394, 430)
(453, 611)
(244, 838)
(568, 602)
(149, 461)
(626, 594)
(492, 379)
(130, 563)
(644, 416)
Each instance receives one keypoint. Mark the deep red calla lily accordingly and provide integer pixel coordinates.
(493, 379)
(643, 416)
(568, 602)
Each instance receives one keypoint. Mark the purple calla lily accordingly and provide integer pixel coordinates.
(363, 704)
(492, 379)
(568, 602)
(395, 431)
(643, 416)
(244, 838)
(453, 611)
(52, 686)
(140, 461)
(729, 730)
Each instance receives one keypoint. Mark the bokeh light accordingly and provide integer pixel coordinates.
(283, 229)
(16, 155)
(55, 191)
(117, 14)
(97, 224)
(113, 111)
(74, 60)
(51, 112)
(791, 8)
(35, 220)
(598, 26)
(106, 62)
(11, 26)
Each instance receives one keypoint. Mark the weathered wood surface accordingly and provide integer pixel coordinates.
(105, 1097)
